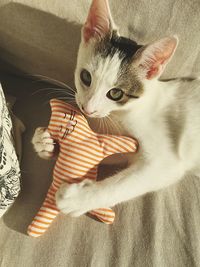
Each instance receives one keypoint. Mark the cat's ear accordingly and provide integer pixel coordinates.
(153, 58)
(99, 21)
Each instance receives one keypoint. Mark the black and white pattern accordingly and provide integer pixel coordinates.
(9, 166)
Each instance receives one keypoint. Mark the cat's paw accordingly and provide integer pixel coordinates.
(43, 143)
(76, 199)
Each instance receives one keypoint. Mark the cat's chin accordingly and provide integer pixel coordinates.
(96, 116)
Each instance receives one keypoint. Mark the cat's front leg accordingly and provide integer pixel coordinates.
(43, 143)
(77, 199)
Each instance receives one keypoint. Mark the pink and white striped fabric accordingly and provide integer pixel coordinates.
(81, 150)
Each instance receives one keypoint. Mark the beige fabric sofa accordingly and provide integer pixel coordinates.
(159, 229)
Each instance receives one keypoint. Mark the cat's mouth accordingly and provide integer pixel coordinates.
(90, 114)
(94, 114)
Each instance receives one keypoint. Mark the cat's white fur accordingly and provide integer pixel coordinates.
(162, 162)
(165, 120)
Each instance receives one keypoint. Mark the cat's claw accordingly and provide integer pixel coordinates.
(43, 143)
(76, 199)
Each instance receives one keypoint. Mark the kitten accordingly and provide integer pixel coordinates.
(114, 75)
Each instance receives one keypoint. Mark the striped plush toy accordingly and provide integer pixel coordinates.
(81, 150)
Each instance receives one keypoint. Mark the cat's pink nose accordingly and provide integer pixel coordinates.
(88, 111)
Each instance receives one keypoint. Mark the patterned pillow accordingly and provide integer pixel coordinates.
(9, 165)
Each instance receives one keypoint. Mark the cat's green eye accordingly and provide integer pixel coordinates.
(115, 94)
(86, 77)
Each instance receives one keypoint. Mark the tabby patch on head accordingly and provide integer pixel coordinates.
(112, 44)
(125, 49)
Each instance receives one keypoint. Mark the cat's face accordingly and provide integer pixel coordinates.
(104, 77)
(111, 70)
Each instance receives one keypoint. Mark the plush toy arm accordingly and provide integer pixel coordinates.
(53, 132)
(58, 110)
(112, 144)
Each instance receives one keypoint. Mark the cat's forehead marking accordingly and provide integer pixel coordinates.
(113, 44)
(124, 49)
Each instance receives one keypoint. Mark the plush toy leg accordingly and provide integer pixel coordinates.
(45, 216)
(104, 215)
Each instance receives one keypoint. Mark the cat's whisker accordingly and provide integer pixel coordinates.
(66, 99)
(104, 128)
(42, 78)
(99, 125)
(114, 125)
(46, 78)
(106, 125)
(67, 95)
(49, 79)
(117, 126)
(64, 91)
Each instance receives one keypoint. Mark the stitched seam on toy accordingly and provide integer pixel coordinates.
(67, 131)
